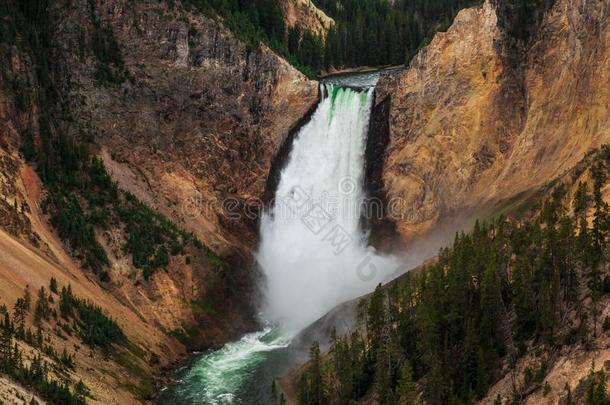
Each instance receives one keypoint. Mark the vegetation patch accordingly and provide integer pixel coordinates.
(380, 32)
(96, 328)
(500, 291)
(185, 333)
(33, 369)
(110, 67)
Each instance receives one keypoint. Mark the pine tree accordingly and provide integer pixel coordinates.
(581, 200)
(596, 388)
(27, 298)
(303, 395)
(407, 389)
(316, 386)
(376, 321)
(6, 350)
(66, 302)
(273, 392)
(468, 363)
(42, 310)
(19, 314)
(491, 310)
(383, 376)
(53, 286)
(435, 389)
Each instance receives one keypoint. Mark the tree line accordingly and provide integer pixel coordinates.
(366, 32)
(380, 32)
(500, 291)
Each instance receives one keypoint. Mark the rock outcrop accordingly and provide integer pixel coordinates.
(306, 16)
(197, 119)
(480, 116)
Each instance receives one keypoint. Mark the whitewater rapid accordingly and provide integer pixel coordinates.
(218, 377)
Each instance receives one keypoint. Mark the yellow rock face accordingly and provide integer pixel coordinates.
(305, 15)
(477, 118)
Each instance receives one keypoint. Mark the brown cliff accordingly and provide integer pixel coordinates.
(190, 118)
(480, 117)
(306, 16)
(200, 116)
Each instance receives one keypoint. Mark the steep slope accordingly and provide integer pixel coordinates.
(493, 118)
(198, 113)
(480, 115)
(560, 354)
(185, 117)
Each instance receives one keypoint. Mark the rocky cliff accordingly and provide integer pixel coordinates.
(199, 114)
(483, 115)
(483, 121)
(185, 117)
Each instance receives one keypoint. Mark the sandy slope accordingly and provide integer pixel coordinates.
(21, 265)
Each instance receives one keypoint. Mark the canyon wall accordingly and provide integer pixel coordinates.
(186, 117)
(199, 114)
(482, 117)
(483, 121)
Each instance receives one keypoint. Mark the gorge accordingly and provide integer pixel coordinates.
(181, 196)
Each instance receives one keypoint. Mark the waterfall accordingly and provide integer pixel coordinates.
(313, 254)
(313, 251)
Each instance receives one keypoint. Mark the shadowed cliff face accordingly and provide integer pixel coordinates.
(190, 127)
(481, 115)
(198, 119)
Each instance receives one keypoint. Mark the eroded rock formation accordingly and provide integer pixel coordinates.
(306, 16)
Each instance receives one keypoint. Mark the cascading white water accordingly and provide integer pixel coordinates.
(313, 251)
(313, 254)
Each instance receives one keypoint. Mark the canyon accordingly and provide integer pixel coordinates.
(195, 121)
(197, 126)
